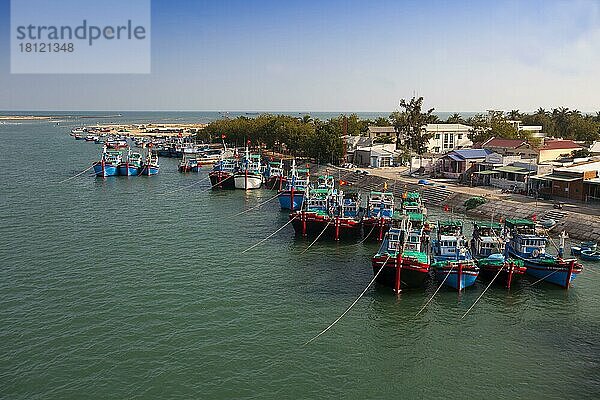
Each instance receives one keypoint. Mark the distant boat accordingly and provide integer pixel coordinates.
(188, 164)
(590, 255)
(109, 161)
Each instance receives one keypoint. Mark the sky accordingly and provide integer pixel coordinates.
(339, 56)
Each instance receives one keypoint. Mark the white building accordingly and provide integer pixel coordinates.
(382, 132)
(447, 137)
(375, 156)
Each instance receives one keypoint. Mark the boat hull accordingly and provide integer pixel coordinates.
(106, 169)
(221, 180)
(287, 203)
(148, 170)
(128, 170)
(276, 182)
(312, 224)
(561, 272)
(376, 228)
(508, 276)
(457, 279)
(411, 274)
(247, 181)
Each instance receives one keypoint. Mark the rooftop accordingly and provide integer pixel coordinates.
(467, 154)
(560, 144)
(504, 143)
(447, 128)
(381, 129)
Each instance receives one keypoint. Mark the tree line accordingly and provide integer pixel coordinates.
(322, 140)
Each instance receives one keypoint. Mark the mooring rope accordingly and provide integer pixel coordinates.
(482, 293)
(541, 279)
(353, 303)
(256, 206)
(366, 237)
(75, 176)
(268, 237)
(185, 187)
(437, 290)
(315, 241)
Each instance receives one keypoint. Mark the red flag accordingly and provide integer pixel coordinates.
(223, 136)
(446, 208)
(248, 141)
(534, 217)
(343, 183)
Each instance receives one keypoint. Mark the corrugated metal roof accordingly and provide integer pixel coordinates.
(471, 153)
(514, 170)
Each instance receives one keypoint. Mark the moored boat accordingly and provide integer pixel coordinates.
(150, 165)
(292, 197)
(590, 255)
(132, 165)
(453, 265)
(403, 257)
(379, 211)
(109, 161)
(249, 176)
(221, 177)
(529, 246)
(488, 247)
(188, 164)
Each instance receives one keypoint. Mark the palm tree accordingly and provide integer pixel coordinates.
(514, 115)
(455, 118)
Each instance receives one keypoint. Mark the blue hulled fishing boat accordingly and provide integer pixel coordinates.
(109, 161)
(453, 265)
(292, 197)
(132, 165)
(528, 245)
(150, 166)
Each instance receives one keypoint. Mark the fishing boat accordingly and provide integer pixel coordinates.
(188, 164)
(116, 144)
(275, 178)
(488, 247)
(412, 202)
(132, 165)
(292, 197)
(528, 245)
(211, 156)
(403, 257)
(109, 161)
(221, 176)
(590, 255)
(379, 211)
(150, 165)
(249, 176)
(453, 264)
(576, 250)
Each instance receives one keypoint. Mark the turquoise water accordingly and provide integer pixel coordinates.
(113, 289)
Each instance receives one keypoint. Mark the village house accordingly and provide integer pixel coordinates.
(447, 137)
(459, 164)
(510, 172)
(375, 156)
(580, 181)
(509, 147)
(382, 133)
(557, 148)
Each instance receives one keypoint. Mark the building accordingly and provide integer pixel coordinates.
(510, 172)
(354, 142)
(385, 133)
(375, 156)
(447, 137)
(557, 148)
(595, 148)
(507, 147)
(580, 181)
(460, 164)
(531, 130)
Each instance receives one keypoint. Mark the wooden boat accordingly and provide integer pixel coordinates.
(275, 178)
(249, 176)
(590, 255)
(403, 257)
(109, 161)
(292, 197)
(453, 264)
(379, 211)
(221, 176)
(132, 165)
(529, 246)
(188, 164)
(576, 250)
(150, 166)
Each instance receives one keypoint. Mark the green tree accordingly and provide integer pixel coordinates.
(455, 119)
(410, 121)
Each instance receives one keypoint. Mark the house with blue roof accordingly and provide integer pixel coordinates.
(460, 164)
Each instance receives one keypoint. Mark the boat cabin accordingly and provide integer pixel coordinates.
(380, 205)
(524, 240)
